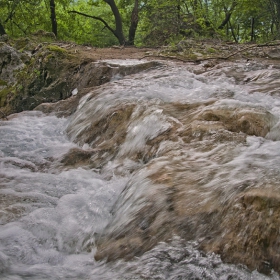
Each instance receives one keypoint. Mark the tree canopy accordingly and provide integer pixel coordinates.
(148, 22)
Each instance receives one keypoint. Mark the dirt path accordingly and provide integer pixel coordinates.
(108, 53)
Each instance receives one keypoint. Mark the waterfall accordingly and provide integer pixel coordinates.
(170, 173)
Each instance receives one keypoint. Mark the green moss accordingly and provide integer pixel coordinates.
(192, 56)
(21, 43)
(57, 49)
(3, 95)
(211, 50)
(22, 74)
(20, 87)
(30, 61)
(37, 72)
(3, 83)
(49, 57)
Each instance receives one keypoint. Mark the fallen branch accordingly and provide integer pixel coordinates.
(169, 57)
(250, 47)
(197, 60)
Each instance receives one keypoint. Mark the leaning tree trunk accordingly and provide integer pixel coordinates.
(133, 24)
(228, 14)
(53, 17)
(118, 21)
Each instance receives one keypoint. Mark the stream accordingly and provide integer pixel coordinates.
(207, 135)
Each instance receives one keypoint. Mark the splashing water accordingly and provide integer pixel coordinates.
(168, 126)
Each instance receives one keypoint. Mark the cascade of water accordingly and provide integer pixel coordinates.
(151, 171)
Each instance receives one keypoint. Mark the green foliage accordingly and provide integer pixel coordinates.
(161, 22)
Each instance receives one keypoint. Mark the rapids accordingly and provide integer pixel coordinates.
(148, 172)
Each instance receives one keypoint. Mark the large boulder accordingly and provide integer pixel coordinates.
(10, 62)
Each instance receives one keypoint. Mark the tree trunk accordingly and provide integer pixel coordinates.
(252, 29)
(232, 32)
(2, 30)
(118, 21)
(277, 17)
(53, 17)
(133, 24)
(228, 13)
(225, 21)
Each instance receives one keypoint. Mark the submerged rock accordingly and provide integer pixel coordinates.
(191, 175)
(191, 196)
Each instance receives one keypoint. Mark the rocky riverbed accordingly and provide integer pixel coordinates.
(189, 133)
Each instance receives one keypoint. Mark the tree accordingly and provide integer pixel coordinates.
(228, 13)
(118, 31)
(53, 17)
(274, 7)
(20, 18)
(118, 21)
(146, 22)
(133, 23)
(2, 29)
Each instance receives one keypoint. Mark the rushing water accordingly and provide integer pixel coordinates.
(50, 215)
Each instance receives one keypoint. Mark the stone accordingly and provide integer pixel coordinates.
(170, 195)
(10, 62)
(273, 53)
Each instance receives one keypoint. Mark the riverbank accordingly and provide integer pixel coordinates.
(38, 69)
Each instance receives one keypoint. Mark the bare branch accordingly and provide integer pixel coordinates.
(18, 26)
(97, 18)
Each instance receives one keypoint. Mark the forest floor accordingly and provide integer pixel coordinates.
(108, 53)
(185, 51)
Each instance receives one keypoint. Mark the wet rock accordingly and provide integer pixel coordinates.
(88, 75)
(76, 158)
(248, 233)
(241, 231)
(10, 61)
(47, 73)
(273, 53)
(63, 108)
(252, 121)
(178, 191)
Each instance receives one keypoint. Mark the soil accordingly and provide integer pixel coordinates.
(188, 51)
(115, 52)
